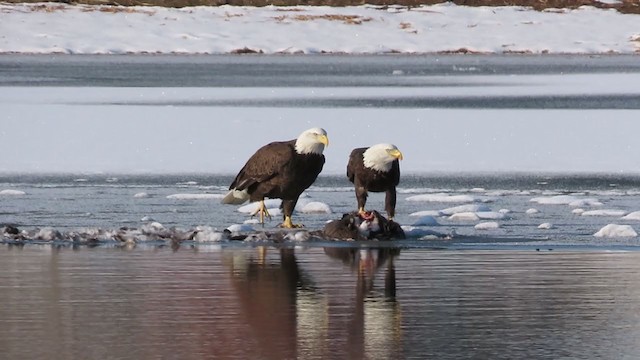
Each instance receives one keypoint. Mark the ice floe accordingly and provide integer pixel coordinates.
(489, 225)
(443, 198)
(585, 202)
(464, 216)
(491, 215)
(316, 207)
(423, 233)
(240, 228)
(604, 212)
(465, 208)
(209, 234)
(11, 192)
(555, 200)
(426, 220)
(195, 196)
(298, 236)
(615, 230)
(632, 216)
(434, 213)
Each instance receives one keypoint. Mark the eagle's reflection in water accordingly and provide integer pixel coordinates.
(317, 310)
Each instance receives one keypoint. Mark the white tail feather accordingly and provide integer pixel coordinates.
(236, 197)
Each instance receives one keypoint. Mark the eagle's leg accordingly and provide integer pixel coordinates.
(287, 210)
(262, 212)
(361, 196)
(390, 203)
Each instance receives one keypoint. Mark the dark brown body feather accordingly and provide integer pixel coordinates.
(276, 171)
(366, 179)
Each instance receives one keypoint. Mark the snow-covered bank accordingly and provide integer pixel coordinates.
(53, 28)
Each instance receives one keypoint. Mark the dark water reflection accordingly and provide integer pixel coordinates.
(317, 303)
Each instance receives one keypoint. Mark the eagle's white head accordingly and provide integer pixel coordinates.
(381, 156)
(312, 141)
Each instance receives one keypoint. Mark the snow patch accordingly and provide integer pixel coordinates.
(269, 30)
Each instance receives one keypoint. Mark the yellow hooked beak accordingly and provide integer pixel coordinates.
(396, 154)
(323, 139)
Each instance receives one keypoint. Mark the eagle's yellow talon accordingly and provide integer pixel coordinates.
(288, 224)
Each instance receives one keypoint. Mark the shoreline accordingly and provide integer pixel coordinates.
(440, 29)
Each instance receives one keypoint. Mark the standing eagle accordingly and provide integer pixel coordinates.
(375, 169)
(282, 170)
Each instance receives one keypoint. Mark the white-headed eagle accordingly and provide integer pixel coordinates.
(375, 169)
(280, 170)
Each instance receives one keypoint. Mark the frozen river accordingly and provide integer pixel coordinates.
(186, 114)
(512, 164)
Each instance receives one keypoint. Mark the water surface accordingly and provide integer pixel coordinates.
(314, 303)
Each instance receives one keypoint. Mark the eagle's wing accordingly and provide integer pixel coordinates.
(269, 161)
(395, 172)
(355, 159)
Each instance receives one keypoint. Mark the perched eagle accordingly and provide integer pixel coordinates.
(375, 169)
(281, 170)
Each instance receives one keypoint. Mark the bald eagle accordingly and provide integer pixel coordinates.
(281, 170)
(375, 169)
